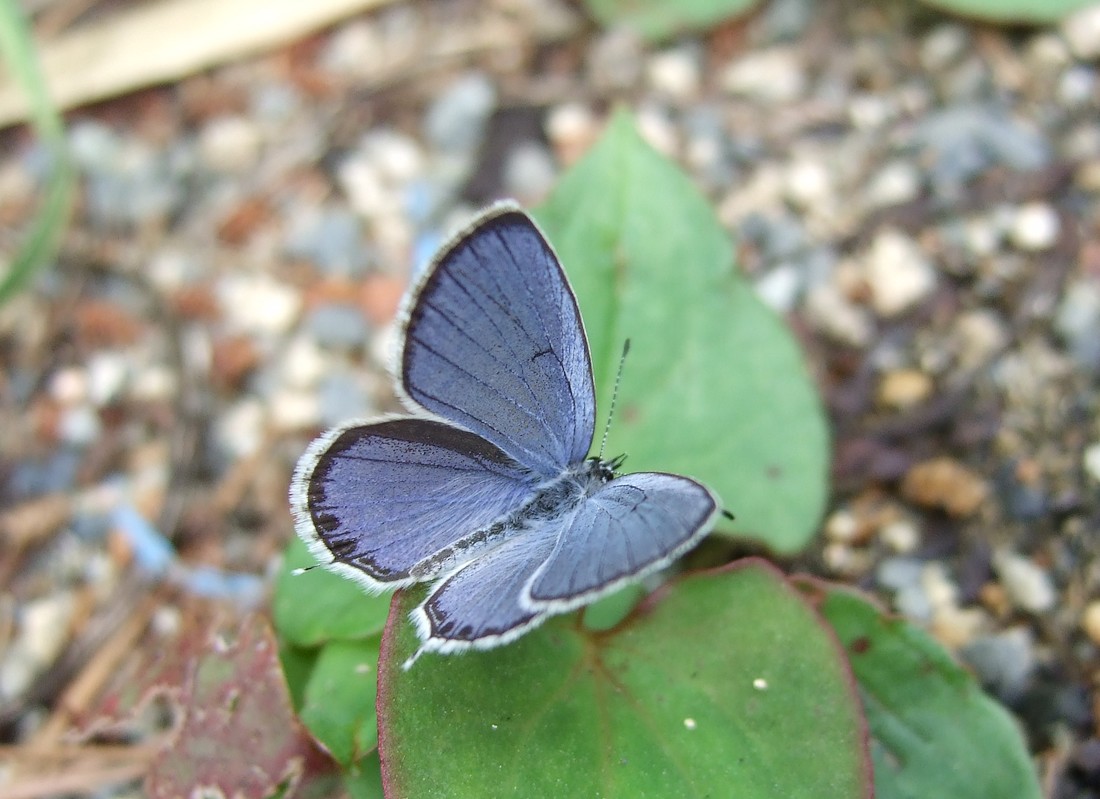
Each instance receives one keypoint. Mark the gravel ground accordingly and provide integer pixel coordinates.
(919, 195)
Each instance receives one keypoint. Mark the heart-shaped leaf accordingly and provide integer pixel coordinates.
(715, 386)
(933, 731)
(724, 683)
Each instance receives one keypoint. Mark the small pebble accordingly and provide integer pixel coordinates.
(69, 385)
(1090, 621)
(258, 303)
(779, 288)
(1028, 586)
(956, 627)
(398, 157)
(938, 586)
(943, 46)
(108, 372)
(455, 121)
(303, 363)
(240, 429)
(842, 526)
(898, 273)
(674, 73)
(1077, 320)
(615, 59)
(529, 172)
(1004, 662)
(1082, 32)
(1035, 227)
(770, 76)
(1091, 461)
(808, 184)
(946, 484)
(43, 631)
(834, 314)
(571, 129)
(294, 410)
(904, 388)
(978, 335)
(79, 426)
(337, 325)
(231, 145)
(897, 573)
(895, 183)
(901, 535)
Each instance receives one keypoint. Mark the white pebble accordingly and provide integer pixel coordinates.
(833, 313)
(361, 182)
(1091, 461)
(258, 304)
(397, 156)
(303, 364)
(896, 183)
(529, 172)
(79, 425)
(1027, 585)
(941, 592)
(978, 336)
(770, 76)
(152, 383)
(1035, 227)
(842, 526)
(779, 288)
(944, 45)
(674, 73)
(901, 535)
(69, 385)
(230, 144)
(897, 272)
(571, 128)
(107, 376)
(241, 428)
(658, 131)
(294, 410)
(42, 633)
(1082, 32)
(808, 184)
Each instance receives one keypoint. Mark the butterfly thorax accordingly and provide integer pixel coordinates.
(568, 490)
(553, 498)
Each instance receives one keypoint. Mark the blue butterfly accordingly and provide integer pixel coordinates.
(487, 490)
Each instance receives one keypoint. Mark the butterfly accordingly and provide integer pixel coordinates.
(487, 489)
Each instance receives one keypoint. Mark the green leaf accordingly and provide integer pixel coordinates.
(44, 238)
(364, 779)
(338, 706)
(933, 731)
(297, 665)
(319, 606)
(662, 19)
(724, 683)
(715, 386)
(1012, 11)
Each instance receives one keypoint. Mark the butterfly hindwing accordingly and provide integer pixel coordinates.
(630, 527)
(399, 501)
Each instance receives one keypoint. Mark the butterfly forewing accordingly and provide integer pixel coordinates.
(494, 342)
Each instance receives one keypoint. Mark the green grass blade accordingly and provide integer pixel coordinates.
(44, 237)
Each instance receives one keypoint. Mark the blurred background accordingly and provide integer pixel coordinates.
(202, 256)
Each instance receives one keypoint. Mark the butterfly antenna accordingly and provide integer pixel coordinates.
(614, 396)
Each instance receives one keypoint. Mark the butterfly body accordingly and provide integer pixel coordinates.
(487, 489)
